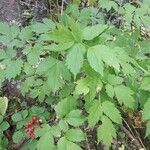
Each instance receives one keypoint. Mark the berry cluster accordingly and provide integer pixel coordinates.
(31, 125)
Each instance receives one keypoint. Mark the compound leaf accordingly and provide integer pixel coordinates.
(111, 111)
(124, 95)
(74, 59)
(106, 132)
(95, 113)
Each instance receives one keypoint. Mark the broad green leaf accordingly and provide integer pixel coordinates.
(50, 24)
(75, 118)
(108, 4)
(4, 28)
(3, 55)
(14, 30)
(33, 54)
(110, 110)
(28, 69)
(17, 117)
(56, 74)
(46, 142)
(124, 95)
(1, 119)
(43, 91)
(63, 125)
(12, 72)
(25, 87)
(44, 27)
(46, 65)
(73, 9)
(3, 105)
(95, 60)
(91, 32)
(58, 47)
(145, 85)
(65, 91)
(2, 77)
(82, 86)
(92, 76)
(84, 17)
(65, 106)
(95, 113)
(146, 111)
(41, 131)
(99, 53)
(24, 113)
(61, 35)
(127, 69)
(108, 56)
(92, 1)
(20, 124)
(75, 135)
(114, 80)
(106, 132)
(147, 128)
(55, 71)
(64, 144)
(75, 28)
(4, 126)
(26, 33)
(17, 136)
(122, 53)
(55, 130)
(110, 90)
(9, 33)
(76, 2)
(74, 59)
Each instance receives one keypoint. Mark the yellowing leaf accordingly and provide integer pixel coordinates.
(3, 105)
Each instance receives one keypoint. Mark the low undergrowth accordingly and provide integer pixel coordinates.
(80, 83)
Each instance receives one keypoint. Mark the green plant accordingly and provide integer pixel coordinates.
(84, 73)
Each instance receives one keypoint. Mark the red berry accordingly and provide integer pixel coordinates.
(30, 123)
(34, 119)
(37, 120)
(27, 130)
(31, 135)
(32, 127)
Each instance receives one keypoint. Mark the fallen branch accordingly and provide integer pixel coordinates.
(130, 136)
